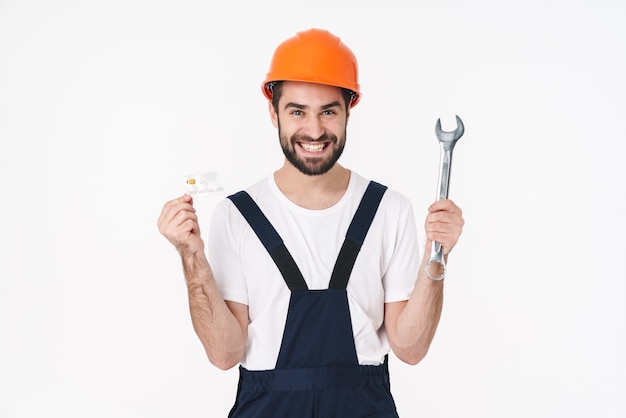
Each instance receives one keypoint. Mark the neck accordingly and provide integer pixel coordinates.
(313, 192)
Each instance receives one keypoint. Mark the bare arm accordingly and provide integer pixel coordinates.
(411, 324)
(221, 326)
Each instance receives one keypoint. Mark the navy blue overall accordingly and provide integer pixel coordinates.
(317, 373)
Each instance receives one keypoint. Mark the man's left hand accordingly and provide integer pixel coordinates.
(444, 224)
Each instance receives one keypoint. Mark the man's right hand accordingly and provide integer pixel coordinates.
(178, 222)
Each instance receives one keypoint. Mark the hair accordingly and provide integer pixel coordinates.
(276, 87)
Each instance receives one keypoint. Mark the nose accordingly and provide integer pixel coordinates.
(314, 127)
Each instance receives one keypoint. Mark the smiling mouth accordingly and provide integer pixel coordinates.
(313, 147)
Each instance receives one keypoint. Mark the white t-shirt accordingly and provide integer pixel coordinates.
(385, 270)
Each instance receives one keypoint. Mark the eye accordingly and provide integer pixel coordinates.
(297, 112)
(329, 112)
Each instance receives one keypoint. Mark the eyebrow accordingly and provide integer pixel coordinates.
(301, 106)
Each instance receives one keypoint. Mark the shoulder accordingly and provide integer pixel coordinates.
(257, 192)
(392, 199)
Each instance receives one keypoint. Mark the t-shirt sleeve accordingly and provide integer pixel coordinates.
(400, 276)
(223, 253)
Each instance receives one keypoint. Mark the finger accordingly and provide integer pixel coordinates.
(185, 229)
(445, 228)
(445, 205)
(171, 208)
(172, 226)
(446, 239)
(183, 216)
(444, 219)
(179, 231)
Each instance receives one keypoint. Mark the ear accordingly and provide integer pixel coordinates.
(273, 114)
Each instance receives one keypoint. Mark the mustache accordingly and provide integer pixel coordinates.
(305, 138)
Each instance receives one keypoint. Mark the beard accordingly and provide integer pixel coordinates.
(312, 166)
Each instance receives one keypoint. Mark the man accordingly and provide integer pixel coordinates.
(314, 272)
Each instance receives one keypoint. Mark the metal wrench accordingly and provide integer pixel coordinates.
(447, 140)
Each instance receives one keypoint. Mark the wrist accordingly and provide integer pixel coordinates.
(195, 265)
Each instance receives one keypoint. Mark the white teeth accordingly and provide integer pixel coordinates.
(313, 147)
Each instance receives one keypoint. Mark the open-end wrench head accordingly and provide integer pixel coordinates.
(451, 136)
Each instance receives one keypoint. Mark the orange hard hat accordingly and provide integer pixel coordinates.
(314, 56)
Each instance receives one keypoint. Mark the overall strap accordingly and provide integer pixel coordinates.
(270, 239)
(356, 235)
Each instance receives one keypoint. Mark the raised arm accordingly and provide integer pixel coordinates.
(221, 326)
(411, 324)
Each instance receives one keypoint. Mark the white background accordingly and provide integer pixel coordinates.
(105, 106)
